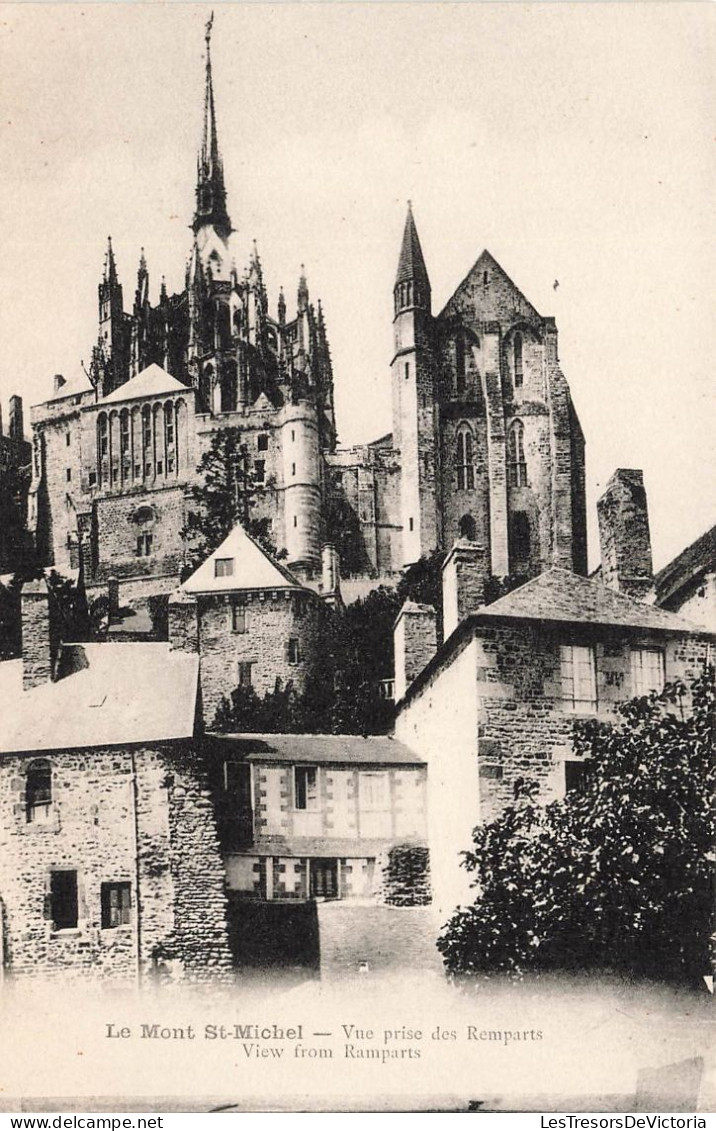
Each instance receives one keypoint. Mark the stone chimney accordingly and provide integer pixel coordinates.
(624, 538)
(57, 382)
(37, 651)
(330, 573)
(17, 424)
(183, 622)
(415, 638)
(465, 572)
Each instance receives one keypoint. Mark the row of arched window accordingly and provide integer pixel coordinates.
(465, 456)
(140, 444)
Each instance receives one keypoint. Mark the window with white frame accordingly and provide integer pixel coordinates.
(305, 780)
(223, 567)
(579, 677)
(647, 670)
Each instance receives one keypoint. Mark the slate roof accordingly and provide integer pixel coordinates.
(151, 382)
(560, 595)
(112, 694)
(686, 568)
(73, 387)
(252, 568)
(350, 749)
(411, 264)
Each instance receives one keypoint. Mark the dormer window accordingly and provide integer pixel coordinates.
(223, 567)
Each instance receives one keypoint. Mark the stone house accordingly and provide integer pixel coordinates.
(252, 622)
(109, 857)
(687, 585)
(498, 700)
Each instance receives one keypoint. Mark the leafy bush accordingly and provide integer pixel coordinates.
(618, 876)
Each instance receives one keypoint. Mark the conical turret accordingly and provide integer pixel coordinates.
(412, 285)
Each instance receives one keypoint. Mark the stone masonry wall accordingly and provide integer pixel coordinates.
(273, 618)
(166, 845)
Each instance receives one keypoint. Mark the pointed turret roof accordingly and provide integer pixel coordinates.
(250, 568)
(210, 188)
(110, 267)
(411, 265)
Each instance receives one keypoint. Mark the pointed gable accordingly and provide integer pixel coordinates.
(487, 294)
(151, 382)
(238, 564)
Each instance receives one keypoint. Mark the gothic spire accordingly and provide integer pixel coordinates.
(110, 268)
(412, 284)
(210, 188)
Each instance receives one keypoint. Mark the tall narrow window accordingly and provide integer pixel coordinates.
(124, 432)
(324, 879)
(245, 675)
(259, 470)
(116, 905)
(38, 791)
(516, 465)
(102, 437)
(465, 459)
(519, 537)
(579, 678)
(294, 651)
(238, 617)
(647, 670)
(63, 900)
(407, 370)
(146, 432)
(517, 350)
(467, 528)
(144, 544)
(305, 787)
(460, 364)
(169, 424)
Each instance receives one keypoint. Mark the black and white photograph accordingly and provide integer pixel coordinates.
(357, 557)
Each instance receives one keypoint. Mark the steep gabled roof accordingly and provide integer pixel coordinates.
(559, 595)
(497, 300)
(251, 568)
(687, 568)
(113, 694)
(151, 382)
(352, 749)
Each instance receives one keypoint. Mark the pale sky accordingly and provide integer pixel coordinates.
(574, 141)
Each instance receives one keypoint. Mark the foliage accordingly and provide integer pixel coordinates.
(227, 493)
(617, 876)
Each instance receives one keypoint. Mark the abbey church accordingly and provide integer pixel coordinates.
(485, 445)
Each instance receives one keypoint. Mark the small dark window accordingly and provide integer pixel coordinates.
(170, 465)
(576, 775)
(238, 618)
(148, 470)
(115, 474)
(520, 537)
(294, 651)
(160, 467)
(485, 277)
(38, 791)
(137, 470)
(467, 528)
(407, 370)
(295, 520)
(262, 443)
(67, 439)
(144, 545)
(410, 523)
(245, 677)
(68, 474)
(93, 478)
(293, 469)
(259, 470)
(306, 787)
(223, 567)
(116, 905)
(63, 900)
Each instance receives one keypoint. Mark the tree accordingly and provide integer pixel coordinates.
(227, 493)
(618, 876)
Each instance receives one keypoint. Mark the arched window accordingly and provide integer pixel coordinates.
(517, 357)
(520, 539)
(516, 466)
(169, 424)
(124, 432)
(38, 791)
(467, 528)
(465, 459)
